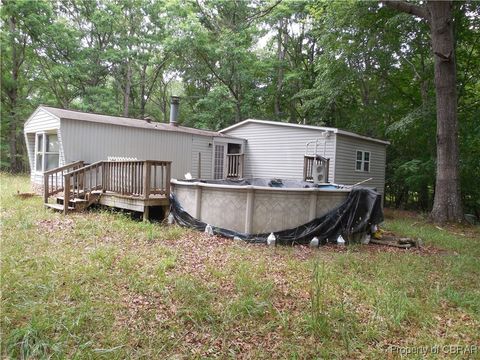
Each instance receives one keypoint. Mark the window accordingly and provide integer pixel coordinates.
(47, 156)
(363, 161)
(39, 157)
(234, 148)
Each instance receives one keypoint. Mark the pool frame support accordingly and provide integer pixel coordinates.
(313, 206)
(198, 202)
(249, 211)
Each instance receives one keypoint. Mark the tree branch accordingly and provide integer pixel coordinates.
(408, 8)
(261, 12)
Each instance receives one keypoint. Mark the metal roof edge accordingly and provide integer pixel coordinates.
(178, 129)
(312, 127)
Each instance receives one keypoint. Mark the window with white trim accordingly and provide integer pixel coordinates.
(363, 161)
(46, 148)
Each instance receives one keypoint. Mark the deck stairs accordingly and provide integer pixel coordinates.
(76, 204)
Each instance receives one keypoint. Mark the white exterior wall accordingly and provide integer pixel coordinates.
(93, 142)
(41, 121)
(274, 151)
(346, 152)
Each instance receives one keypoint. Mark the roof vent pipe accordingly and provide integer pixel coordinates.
(174, 105)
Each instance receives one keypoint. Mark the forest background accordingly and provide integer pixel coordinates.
(358, 66)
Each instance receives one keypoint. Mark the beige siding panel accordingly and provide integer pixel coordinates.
(200, 146)
(61, 160)
(277, 151)
(41, 121)
(345, 162)
(94, 142)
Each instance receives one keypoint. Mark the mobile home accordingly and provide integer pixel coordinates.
(56, 137)
(277, 149)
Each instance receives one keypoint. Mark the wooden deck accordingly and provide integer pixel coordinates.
(132, 185)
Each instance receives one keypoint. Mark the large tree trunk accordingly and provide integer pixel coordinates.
(13, 96)
(447, 205)
(447, 201)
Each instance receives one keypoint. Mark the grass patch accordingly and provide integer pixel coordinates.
(103, 285)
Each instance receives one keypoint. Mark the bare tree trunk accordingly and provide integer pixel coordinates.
(128, 84)
(447, 202)
(238, 111)
(280, 58)
(143, 99)
(13, 141)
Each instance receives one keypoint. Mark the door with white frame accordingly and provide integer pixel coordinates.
(228, 159)
(219, 159)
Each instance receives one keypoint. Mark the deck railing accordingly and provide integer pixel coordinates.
(82, 181)
(308, 163)
(235, 165)
(53, 179)
(137, 178)
(130, 178)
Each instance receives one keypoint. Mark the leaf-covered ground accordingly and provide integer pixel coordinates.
(103, 285)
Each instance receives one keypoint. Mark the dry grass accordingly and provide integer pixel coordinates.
(101, 285)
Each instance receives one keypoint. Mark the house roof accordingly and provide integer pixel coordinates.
(319, 128)
(126, 121)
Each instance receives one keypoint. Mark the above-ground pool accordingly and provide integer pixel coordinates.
(254, 206)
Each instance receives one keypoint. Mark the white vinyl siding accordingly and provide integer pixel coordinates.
(30, 142)
(203, 146)
(41, 120)
(346, 162)
(274, 151)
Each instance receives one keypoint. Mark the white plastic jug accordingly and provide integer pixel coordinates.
(271, 239)
(314, 242)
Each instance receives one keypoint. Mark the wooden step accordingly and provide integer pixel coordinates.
(58, 207)
(76, 200)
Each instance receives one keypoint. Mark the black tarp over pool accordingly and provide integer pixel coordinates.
(356, 215)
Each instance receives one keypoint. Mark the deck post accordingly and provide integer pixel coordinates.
(167, 183)
(146, 213)
(66, 193)
(305, 164)
(45, 188)
(104, 175)
(146, 180)
(242, 162)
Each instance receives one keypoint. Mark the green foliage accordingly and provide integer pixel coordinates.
(356, 65)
